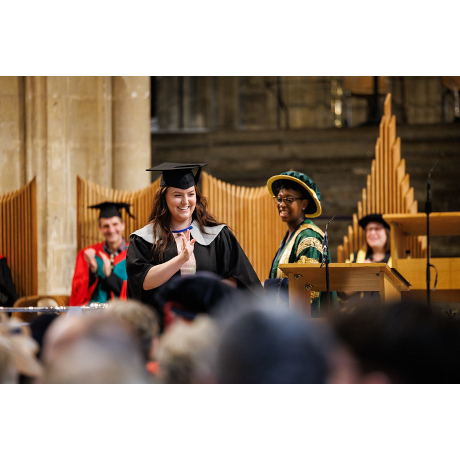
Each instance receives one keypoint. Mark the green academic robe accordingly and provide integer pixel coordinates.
(304, 246)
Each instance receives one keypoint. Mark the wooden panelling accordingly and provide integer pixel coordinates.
(18, 237)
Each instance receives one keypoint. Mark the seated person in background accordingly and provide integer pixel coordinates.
(376, 248)
(297, 199)
(144, 324)
(100, 270)
(93, 347)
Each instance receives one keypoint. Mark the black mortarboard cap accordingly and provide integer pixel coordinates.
(111, 209)
(179, 175)
(373, 218)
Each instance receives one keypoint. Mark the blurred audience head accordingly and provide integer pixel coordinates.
(142, 320)
(269, 345)
(92, 348)
(8, 370)
(18, 352)
(39, 326)
(189, 296)
(187, 351)
(399, 343)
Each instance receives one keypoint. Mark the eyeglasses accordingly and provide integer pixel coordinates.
(374, 229)
(287, 200)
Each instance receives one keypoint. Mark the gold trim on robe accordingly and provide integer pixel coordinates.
(310, 242)
(284, 259)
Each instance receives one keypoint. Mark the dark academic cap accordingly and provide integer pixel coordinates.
(178, 175)
(373, 218)
(111, 209)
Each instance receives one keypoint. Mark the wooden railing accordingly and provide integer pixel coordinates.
(387, 190)
(18, 237)
(248, 211)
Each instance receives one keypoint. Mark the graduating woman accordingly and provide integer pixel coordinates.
(298, 199)
(182, 238)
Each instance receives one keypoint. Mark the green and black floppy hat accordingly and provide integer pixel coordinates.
(314, 202)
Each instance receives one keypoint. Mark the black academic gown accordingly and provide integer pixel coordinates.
(216, 251)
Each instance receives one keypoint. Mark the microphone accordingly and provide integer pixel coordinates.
(428, 189)
(428, 211)
(326, 242)
(326, 261)
(325, 248)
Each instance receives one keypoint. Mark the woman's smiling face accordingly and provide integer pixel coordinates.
(181, 205)
(376, 235)
(292, 212)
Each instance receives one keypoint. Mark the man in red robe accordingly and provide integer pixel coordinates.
(100, 270)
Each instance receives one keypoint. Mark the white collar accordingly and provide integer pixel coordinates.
(204, 239)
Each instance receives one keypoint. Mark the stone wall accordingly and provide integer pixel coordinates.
(273, 103)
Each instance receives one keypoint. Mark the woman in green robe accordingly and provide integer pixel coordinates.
(297, 199)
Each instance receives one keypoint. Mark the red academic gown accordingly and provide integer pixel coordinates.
(81, 290)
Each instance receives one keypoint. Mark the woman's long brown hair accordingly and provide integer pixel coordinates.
(160, 218)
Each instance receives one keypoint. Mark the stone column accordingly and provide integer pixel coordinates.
(12, 154)
(68, 132)
(131, 132)
(36, 122)
(79, 142)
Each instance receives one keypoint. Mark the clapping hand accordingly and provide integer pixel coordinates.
(90, 258)
(107, 266)
(187, 245)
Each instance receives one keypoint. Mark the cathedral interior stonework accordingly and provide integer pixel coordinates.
(109, 130)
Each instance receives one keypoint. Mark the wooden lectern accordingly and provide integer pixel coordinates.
(304, 278)
(414, 269)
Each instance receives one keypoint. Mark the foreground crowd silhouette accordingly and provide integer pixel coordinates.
(215, 334)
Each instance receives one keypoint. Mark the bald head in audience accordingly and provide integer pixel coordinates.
(92, 348)
(141, 319)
